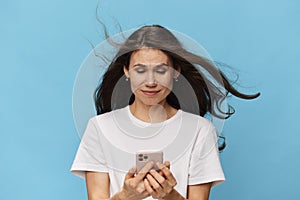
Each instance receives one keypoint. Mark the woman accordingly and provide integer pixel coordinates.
(153, 80)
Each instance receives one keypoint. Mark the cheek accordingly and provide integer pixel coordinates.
(135, 84)
(167, 82)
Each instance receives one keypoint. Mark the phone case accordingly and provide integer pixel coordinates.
(143, 157)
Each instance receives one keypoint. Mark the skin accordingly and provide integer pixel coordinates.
(151, 70)
(148, 71)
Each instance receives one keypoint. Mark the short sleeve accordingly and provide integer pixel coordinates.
(205, 163)
(89, 156)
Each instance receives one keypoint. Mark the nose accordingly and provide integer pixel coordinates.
(150, 80)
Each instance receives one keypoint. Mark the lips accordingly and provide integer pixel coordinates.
(150, 93)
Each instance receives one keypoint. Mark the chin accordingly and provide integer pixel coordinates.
(150, 102)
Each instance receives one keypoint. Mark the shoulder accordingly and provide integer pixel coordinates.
(108, 116)
(201, 121)
(202, 127)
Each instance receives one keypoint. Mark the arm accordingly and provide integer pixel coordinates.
(199, 192)
(98, 185)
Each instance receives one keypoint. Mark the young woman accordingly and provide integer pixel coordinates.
(155, 84)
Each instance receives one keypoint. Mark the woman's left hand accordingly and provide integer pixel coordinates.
(160, 184)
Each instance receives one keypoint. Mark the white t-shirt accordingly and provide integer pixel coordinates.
(188, 141)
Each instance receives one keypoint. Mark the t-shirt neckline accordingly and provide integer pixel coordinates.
(143, 123)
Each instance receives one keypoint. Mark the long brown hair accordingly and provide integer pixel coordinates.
(210, 91)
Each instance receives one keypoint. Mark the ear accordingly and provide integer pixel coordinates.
(126, 71)
(176, 73)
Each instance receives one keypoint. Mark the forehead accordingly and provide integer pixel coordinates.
(148, 56)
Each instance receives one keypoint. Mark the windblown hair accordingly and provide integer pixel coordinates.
(209, 85)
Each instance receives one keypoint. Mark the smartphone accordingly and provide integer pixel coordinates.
(144, 156)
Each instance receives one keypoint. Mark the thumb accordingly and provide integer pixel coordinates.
(130, 173)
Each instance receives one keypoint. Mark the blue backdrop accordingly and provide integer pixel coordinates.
(43, 43)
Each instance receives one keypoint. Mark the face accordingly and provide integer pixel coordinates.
(151, 76)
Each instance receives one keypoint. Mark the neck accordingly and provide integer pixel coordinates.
(152, 113)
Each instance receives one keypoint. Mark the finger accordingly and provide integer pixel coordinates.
(167, 173)
(159, 178)
(150, 189)
(161, 173)
(142, 191)
(140, 188)
(130, 173)
(148, 186)
(167, 164)
(141, 175)
(155, 185)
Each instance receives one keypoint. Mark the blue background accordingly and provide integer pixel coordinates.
(43, 43)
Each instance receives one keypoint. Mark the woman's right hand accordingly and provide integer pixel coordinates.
(134, 188)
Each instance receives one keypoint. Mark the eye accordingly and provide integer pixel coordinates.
(161, 71)
(139, 70)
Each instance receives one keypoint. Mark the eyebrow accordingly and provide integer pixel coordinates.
(142, 65)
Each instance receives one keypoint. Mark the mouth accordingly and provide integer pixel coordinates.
(150, 93)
